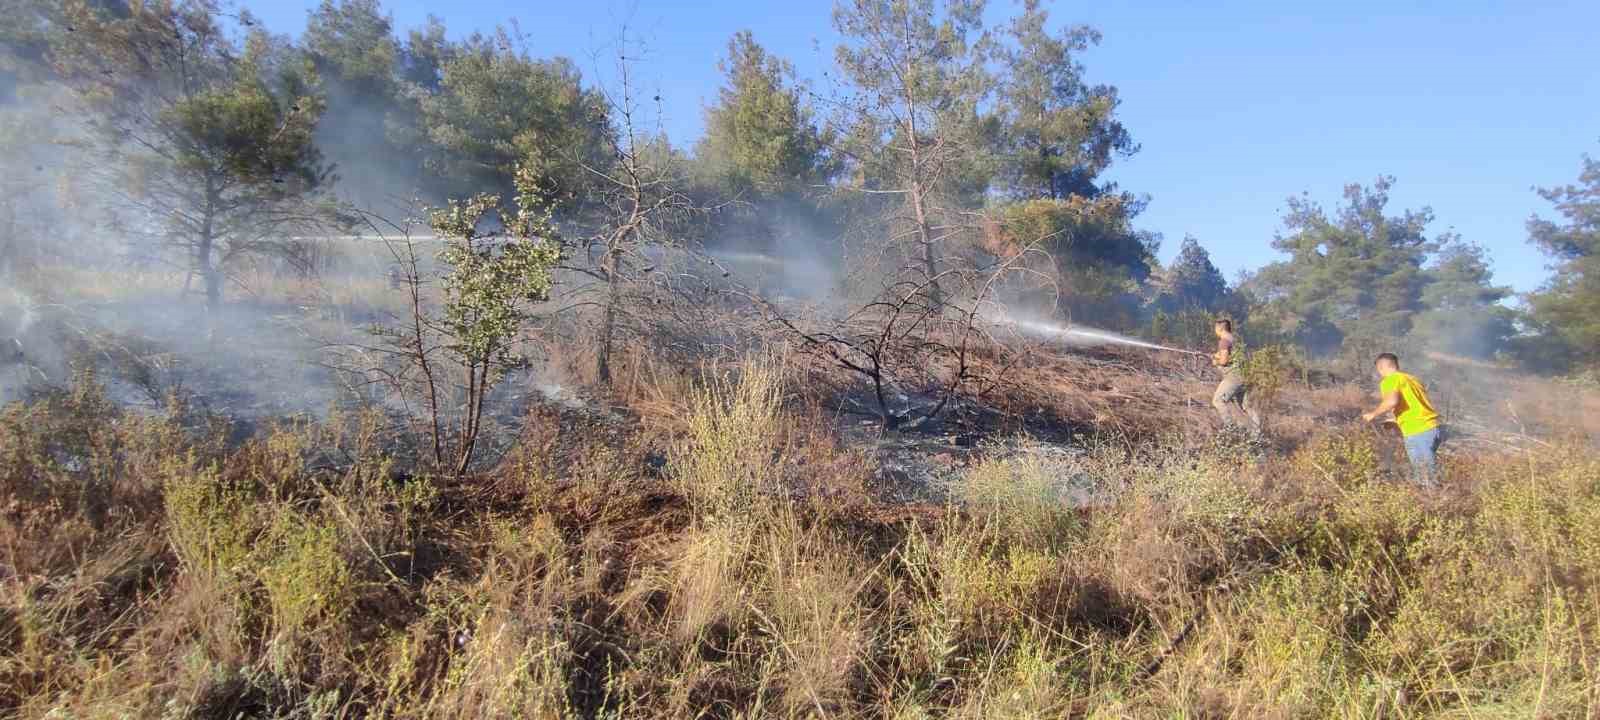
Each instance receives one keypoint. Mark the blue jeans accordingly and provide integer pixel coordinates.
(1423, 448)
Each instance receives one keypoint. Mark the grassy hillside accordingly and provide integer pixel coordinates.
(721, 550)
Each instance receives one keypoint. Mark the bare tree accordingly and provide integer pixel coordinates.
(641, 210)
(915, 136)
(905, 338)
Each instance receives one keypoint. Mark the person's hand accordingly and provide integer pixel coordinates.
(1369, 417)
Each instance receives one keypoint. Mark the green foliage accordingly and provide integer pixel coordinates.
(498, 109)
(1185, 328)
(487, 283)
(916, 128)
(240, 132)
(1566, 312)
(1062, 132)
(352, 42)
(490, 280)
(305, 575)
(1358, 272)
(762, 138)
(1191, 282)
(1464, 316)
(1063, 223)
(1362, 280)
(1099, 259)
(372, 128)
(212, 138)
(1052, 136)
(765, 147)
(1348, 459)
(212, 524)
(1267, 370)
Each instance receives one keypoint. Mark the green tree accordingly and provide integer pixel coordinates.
(208, 140)
(1359, 272)
(419, 73)
(1566, 311)
(489, 282)
(449, 350)
(762, 139)
(1191, 282)
(764, 150)
(352, 45)
(424, 55)
(1099, 259)
(1464, 315)
(498, 108)
(1060, 133)
(1056, 135)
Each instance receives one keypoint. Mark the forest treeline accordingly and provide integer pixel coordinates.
(209, 137)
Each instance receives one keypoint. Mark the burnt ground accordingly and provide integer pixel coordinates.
(247, 366)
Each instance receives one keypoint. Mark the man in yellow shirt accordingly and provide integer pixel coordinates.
(1405, 396)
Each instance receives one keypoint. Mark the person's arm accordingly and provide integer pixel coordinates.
(1223, 354)
(1391, 400)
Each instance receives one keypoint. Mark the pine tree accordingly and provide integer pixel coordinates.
(1464, 315)
(352, 45)
(1192, 282)
(762, 139)
(498, 109)
(1060, 133)
(1566, 311)
(1358, 273)
(211, 140)
(1056, 135)
(914, 125)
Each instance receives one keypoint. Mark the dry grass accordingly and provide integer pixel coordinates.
(341, 297)
(147, 569)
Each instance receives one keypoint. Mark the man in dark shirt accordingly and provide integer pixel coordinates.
(1229, 359)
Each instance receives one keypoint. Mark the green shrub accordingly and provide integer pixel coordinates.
(1346, 458)
(1267, 370)
(1021, 499)
(212, 523)
(735, 436)
(307, 579)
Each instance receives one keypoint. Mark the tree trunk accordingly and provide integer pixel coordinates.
(925, 237)
(608, 320)
(204, 249)
(919, 210)
(1051, 187)
(213, 278)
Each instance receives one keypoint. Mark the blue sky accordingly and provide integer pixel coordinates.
(1238, 105)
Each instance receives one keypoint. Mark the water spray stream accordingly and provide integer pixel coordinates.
(1089, 335)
